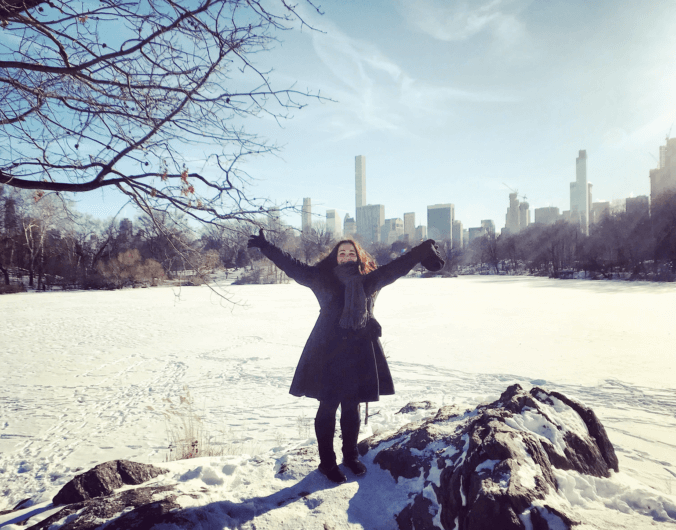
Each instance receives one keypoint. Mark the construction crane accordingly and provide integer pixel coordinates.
(514, 191)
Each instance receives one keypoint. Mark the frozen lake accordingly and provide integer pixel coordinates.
(87, 376)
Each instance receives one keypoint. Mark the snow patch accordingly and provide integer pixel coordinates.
(488, 465)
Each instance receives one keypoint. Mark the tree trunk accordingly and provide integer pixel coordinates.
(5, 273)
(41, 267)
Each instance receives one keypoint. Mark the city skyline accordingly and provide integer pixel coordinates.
(582, 208)
(450, 101)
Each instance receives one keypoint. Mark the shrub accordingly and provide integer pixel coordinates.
(8, 289)
(127, 269)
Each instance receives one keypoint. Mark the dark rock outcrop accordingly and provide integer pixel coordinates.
(104, 479)
(493, 467)
(135, 509)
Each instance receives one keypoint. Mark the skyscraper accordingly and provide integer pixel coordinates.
(363, 230)
(518, 214)
(370, 219)
(440, 219)
(274, 220)
(409, 226)
(524, 215)
(637, 206)
(392, 230)
(457, 234)
(547, 216)
(580, 193)
(420, 233)
(664, 177)
(349, 225)
(476, 232)
(598, 211)
(488, 225)
(333, 224)
(360, 181)
(512, 217)
(306, 217)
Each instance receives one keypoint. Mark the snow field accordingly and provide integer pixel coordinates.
(89, 376)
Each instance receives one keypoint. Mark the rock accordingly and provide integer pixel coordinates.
(104, 479)
(143, 508)
(417, 405)
(493, 467)
(19, 506)
(297, 464)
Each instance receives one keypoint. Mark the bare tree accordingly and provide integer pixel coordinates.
(489, 250)
(137, 95)
(37, 219)
(316, 242)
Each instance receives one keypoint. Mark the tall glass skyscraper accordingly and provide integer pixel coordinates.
(440, 219)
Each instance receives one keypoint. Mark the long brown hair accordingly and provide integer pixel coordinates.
(366, 262)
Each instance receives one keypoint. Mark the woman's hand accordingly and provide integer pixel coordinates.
(433, 261)
(430, 244)
(258, 241)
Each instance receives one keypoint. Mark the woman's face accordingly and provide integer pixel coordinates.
(346, 253)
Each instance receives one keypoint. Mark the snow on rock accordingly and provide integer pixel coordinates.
(494, 467)
(525, 461)
(137, 508)
(417, 405)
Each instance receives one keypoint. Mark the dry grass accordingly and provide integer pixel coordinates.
(186, 433)
(188, 437)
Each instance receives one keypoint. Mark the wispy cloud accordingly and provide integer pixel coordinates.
(457, 20)
(379, 93)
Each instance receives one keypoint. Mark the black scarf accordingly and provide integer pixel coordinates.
(355, 314)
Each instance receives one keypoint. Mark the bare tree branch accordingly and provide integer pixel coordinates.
(128, 93)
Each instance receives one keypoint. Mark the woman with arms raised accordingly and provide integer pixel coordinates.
(343, 362)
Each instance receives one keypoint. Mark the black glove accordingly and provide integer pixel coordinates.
(258, 241)
(433, 261)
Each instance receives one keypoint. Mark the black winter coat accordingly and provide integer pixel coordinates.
(337, 363)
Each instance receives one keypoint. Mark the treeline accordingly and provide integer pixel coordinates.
(622, 244)
(44, 244)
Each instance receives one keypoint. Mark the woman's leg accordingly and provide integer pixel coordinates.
(325, 428)
(349, 426)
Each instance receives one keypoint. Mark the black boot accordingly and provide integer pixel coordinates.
(355, 465)
(334, 474)
(349, 426)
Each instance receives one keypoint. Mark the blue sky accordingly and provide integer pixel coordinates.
(451, 100)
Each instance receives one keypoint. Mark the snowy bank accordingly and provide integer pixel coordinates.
(528, 460)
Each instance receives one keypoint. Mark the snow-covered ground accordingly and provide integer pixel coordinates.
(89, 377)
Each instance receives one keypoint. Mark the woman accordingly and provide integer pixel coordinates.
(343, 362)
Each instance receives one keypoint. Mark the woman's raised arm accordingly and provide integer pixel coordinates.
(302, 273)
(401, 266)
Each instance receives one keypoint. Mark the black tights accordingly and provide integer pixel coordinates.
(325, 428)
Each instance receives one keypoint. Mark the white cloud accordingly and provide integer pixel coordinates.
(379, 94)
(456, 20)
